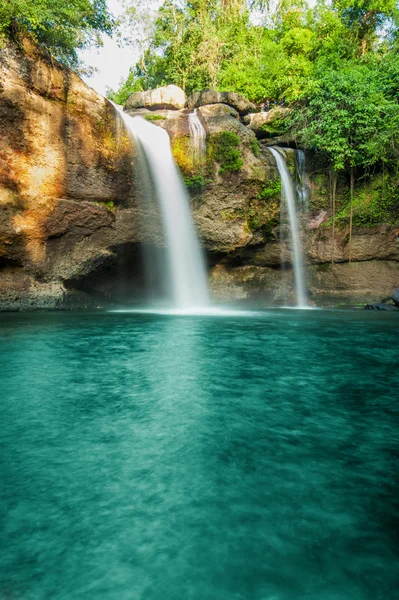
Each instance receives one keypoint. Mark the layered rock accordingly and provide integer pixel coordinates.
(72, 206)
(164, 98)
(65, 165)
(237, 101)
(268, 124)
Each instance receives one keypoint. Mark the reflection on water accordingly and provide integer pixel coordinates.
(152, 456)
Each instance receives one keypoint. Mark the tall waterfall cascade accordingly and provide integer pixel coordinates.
(302, 189)
(288, 197)
(198, 137)
(187, 279)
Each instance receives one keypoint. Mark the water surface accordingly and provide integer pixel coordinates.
(205, 458)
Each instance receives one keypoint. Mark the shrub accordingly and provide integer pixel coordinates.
(224, 149)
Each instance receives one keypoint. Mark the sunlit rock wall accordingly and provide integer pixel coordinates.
(65, 165)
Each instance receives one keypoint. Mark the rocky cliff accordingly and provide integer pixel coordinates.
(71, 226)
(65, 169)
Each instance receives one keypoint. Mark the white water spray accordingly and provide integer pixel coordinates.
(302, 189)
(198, 137)
(187, 274)
(287, 195)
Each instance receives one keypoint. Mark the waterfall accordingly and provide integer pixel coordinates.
(302, 189)
(198, 136)
(187, 279)
(288, 196)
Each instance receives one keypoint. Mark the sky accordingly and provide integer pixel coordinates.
(111, 61)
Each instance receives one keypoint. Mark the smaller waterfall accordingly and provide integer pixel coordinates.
(198, 137)
(302, 189)
(288, 196)
(186, 266)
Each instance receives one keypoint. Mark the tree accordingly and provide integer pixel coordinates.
(365, 17)
(62, 27)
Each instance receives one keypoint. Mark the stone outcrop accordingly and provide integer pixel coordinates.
(267, 124)
(164, 98)
(72, 206)
(65, 166)
(344, 284)
(237, 101)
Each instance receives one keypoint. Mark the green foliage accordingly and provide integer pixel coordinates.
(61, 27)
(350, 117)
(373, 204)
(211, 44)
(254, 145)
(110, 206)
(150, 117)
(224, 149)
(273, 188)
(129, 86)
(196, 182)
(277, 126)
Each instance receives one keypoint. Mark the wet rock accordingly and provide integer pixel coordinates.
(237, 101)
(395, 297)
(368, 243)
(167, 97)
(381, 306)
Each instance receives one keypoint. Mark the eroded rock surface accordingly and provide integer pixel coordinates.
(237, 101)
(65, 166)
(167, 97)
(74, 214)
(267, 124)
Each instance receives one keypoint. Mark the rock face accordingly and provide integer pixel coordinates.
(72, 206)
(168, 97)
(267, 124)
(237, 101)
(65, 165)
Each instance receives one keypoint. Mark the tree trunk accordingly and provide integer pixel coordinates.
(333, 191)
(352, 191)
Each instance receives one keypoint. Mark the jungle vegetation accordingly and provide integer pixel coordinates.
(335, 64)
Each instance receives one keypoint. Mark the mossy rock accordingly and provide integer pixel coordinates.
(183, 155)
(224, 149)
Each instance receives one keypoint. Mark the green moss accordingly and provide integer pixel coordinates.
(182, 153)
(323, 267)
(231, 215)
(110, 206)
(320, 197)
(375, 203)
(150, 117)
(254, 145)
(224, 148)
(257, 216)
(196, 182)
(272, 188)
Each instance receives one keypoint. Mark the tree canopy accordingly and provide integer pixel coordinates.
(336, 65)
(63, 27)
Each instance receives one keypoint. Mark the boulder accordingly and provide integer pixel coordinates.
(268, 124)
(381, 306)
(237, 101)
(218, 110)
(169, 97)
